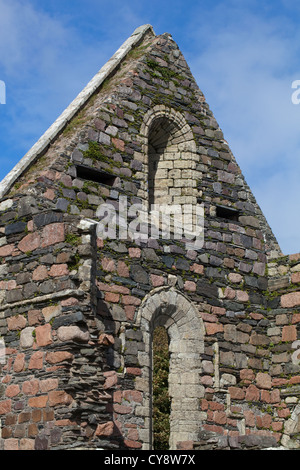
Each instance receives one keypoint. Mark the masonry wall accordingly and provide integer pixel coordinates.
(78, 310)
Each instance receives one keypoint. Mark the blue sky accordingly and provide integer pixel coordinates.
(244, 55)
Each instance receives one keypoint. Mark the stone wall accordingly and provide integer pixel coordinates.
(78, 309)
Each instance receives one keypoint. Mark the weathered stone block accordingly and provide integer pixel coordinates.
(17, 227)
(259, 340)
(31, 242)
(17, 322)
(263, 380)
(26, 337)
(289, 333)
(52, 234)
(40, 220)
(290, 300)
(43, 335)
(249, 220)
(105, 429)
(72, 333)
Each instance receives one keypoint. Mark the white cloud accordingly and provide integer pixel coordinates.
(246, 72)
(45, 62)
(27, 37)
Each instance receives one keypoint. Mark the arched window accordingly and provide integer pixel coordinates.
(185, 330)
(170, 157)
(163, 161)
(161, 406)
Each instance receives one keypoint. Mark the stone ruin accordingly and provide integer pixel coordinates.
(78, 306)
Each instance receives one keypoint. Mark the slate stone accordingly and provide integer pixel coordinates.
(55, 435)
(246, 241)
(26, 206)
(121, 280)
(168, 261)
(14, 295)
(258, 441)
(41, 443)
(213, 153)
(214, 273)
(7, 216)
(138, 292)
(234, 306)
(47, 259)
(273, 303)
(131, 360)
(139, 274)
(207, 290)
(77, 156)
(113, 358)
(249, 220)
(177, 249)
(66, 320)
(182, 264)
(41, 220)
(134, 334)
(262, 283)
(62, 204)
(117, 313)
(150, 254)
(47, 287)
(153, 243)
(264, 323)
(256, 298)
(17, 227)
(215, 261)
(118, 247)
(251, 281)
(104, 138)
(22, 278)
(131, 348)
(29, 290)
(136, 165)
(69, 193)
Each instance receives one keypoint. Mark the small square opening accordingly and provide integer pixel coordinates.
(97, 176)
(227, 213)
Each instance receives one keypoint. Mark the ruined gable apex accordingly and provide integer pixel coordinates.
(165, 71)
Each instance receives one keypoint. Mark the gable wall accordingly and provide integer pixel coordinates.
(76, 370)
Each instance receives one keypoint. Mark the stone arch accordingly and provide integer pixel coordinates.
(290, 437)
(169, 308)
(170, 158)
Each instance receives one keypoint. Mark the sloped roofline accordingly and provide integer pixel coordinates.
(49, 136)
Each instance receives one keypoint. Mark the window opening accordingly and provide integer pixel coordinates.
(164, 137)
(97, 176)
(227, 213)
(160, 385)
